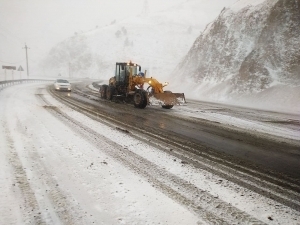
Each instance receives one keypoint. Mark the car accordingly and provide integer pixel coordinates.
(62, 85)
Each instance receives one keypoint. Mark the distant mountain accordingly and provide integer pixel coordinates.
(248, 50)
(157, 41)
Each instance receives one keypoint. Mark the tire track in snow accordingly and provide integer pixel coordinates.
(31, 176)
(264, 182)
(67, 211)
(29, 208)
(54, 198)
(275, 186)
(206, 206)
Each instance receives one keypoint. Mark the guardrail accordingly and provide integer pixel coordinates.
(21, 81)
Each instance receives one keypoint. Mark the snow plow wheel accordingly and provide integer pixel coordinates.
(102, 91)
(109, 92)
(140, 99)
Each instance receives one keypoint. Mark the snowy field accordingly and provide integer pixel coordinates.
(61, 167)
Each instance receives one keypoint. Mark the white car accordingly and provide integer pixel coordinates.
(62, 85)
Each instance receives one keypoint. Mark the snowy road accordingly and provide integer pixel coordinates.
(268, 140)
(59, 166)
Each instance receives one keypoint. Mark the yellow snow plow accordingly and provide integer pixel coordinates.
(129, 82)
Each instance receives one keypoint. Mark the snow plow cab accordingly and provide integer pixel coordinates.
(128, 83)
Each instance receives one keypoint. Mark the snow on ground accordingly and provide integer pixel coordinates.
(50, 173)
(266, 122)
(102, 193)
(258, 121)
(278, 98)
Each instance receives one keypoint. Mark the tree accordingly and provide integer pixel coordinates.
(118, 33)
(124, 30)
(126, 42)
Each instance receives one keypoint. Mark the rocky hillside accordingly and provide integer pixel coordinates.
(249, 56)
(250, 47)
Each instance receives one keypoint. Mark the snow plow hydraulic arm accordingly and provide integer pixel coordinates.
(156, 86)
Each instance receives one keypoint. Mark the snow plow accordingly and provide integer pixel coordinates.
(128, 84)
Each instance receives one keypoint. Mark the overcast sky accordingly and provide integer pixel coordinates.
(43, 23)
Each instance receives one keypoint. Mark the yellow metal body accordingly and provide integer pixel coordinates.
(135, 81)
(139, 81)
(165, 97)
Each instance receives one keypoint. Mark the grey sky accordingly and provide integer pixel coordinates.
(43, 23)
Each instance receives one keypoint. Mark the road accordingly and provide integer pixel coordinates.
(72, 158)
(271, 152)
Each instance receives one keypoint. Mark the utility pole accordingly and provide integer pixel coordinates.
(27, 60)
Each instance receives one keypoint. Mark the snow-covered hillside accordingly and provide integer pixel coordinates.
(156, 40)
(248, 56)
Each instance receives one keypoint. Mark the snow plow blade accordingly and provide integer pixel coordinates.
(180, 97)
(169, 98)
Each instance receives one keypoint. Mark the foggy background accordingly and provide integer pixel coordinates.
(43, 24)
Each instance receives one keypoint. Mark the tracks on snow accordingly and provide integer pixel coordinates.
(267, 183)
(208, 207)
(264, 184)
(21, 186)
(40, 199)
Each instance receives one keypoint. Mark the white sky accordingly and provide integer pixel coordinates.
(42, 24)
